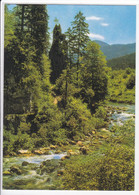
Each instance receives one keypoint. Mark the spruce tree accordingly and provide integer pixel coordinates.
(26, 56)
(93, 75)
(80, 35)
(70, 42)
(58, 53)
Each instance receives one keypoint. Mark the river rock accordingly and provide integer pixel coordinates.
(23, 152)
(105, 130)
(53, 147)
(6, 173)
(65, 157)
(48, 166)
(16, 169)
(57, 151)
(25, 163)
(45, 150)
(38, 152)
(80, 143)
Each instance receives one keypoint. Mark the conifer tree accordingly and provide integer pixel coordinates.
(80, 35)
(26, 55)
(70, 42)
(94, 74)
(58, 53)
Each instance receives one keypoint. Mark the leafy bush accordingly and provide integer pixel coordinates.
(78, 119)
(101, 112)
(131, 82)
(113, 170)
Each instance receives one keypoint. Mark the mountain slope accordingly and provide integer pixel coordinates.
(127, 61)
(116, 50)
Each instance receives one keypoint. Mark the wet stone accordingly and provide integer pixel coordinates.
(16, 169)
(6, 173)
(25, 163)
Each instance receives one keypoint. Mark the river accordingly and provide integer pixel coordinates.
(32, 176)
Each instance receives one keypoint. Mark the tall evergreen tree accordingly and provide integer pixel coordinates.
(26, 55)
(94, 75)
(70, 42)
(80, 33)
(58, 53)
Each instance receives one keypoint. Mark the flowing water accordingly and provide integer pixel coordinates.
(32, 177)
(124, 113)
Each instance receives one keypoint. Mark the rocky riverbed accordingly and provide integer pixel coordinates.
(41, 167)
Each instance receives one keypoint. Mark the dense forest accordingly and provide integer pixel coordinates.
(127, 61)
(57, 94)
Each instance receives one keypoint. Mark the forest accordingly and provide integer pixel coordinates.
(57, 96)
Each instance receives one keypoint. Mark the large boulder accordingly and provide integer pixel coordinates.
(42, 151)
(70, 152)
(25, 163)
(65, 157)
(16, 169)
(6, 173)
(48, 166)
(79, 143)
(23, 151)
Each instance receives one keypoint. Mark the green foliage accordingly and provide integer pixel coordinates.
(113, 170)
(9, 22)
(124, 134)
(122, 85)
(94, 73)
(78, 119)
(77, 41)
(24, 127)
(131, 82)
(13, 143)
(101, 112)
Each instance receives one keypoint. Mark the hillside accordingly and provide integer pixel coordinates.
(116, 50)
(127, 61)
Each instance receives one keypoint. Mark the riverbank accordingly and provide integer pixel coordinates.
(19, 168)
(115, 115)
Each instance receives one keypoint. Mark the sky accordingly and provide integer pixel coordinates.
(111, 24)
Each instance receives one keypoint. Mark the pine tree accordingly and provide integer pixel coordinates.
(58, 53)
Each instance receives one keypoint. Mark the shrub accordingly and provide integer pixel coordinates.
(131, 82)
(113, 170)
(78, 119)
(101, 112)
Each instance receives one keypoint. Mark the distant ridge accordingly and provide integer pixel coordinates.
(127, 61)
(101, 43)
(116, 50)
